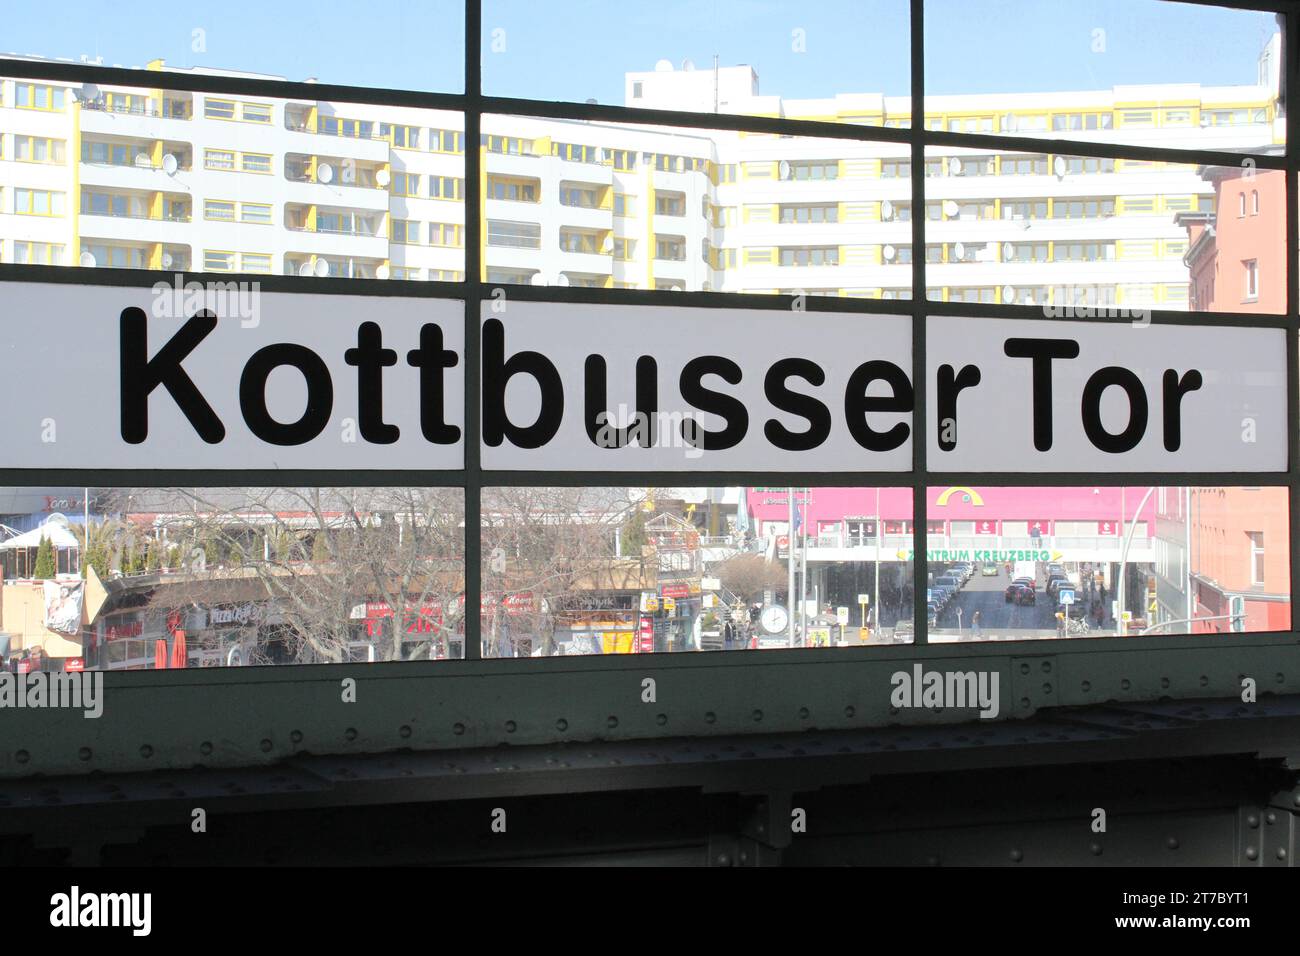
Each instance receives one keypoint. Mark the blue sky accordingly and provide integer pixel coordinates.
(575, 49)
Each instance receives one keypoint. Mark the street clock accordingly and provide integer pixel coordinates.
(774, 619)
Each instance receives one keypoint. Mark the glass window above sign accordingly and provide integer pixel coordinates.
(1146, 72)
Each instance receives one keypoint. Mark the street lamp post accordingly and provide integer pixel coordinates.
(789, 539)
(875, 595)
(1123, 556)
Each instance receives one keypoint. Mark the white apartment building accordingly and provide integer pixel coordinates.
(146, 177)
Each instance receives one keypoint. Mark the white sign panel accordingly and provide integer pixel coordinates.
(622, 387)
(1013, 395)
(121, 377)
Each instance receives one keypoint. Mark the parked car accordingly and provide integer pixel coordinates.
(1023, 595)
(1019, 594)
(1027, 582)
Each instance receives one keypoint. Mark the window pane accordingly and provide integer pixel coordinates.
(812, 59)
(570, 571)
(1074, 233)
(1151, 72)
(239, 576)
(414, 44)
(309, 193)
(1026, 563)
(696, 210)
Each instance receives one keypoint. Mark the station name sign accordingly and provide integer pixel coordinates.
(338, 381)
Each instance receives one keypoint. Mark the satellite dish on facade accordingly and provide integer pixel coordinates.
(783, 169)
(88, 93)
(305, 269)
(889, 252)
(166, 260)
(1060, 167)
(664, 66)
(536, 279)
(950, 208)
(88, 260)
(1008, 251)
(887, 210)
(383, 178)
(562, 279)
(382, 272)
(959, 250)
(169, 164)
(954, 166)
(1008, 293)
(607, 245)
(325, 173)
(688, 65)
(322, 268)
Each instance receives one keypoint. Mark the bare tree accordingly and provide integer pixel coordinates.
(549, 553)
(749, 575)
(321, 557)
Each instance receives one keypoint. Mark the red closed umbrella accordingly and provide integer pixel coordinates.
(179, 656)
(160, 654)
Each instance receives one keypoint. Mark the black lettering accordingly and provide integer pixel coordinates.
(371, 358)
(1174, 390)
(717, 403)
(857, 403)
(140, 375)
(805, 406)
(1042, 351)
(950, 386)
(598, 421)
(252, 394)
(1101, 380)
(433, 360)
(497, 372)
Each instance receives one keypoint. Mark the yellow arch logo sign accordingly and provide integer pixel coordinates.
(968, 494)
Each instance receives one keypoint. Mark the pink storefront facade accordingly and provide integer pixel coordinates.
(1078, 523)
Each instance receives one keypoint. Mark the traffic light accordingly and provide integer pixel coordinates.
(1237, 612)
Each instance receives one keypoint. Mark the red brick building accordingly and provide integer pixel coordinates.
(1237, 254)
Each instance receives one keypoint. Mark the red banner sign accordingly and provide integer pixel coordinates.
(646, 645)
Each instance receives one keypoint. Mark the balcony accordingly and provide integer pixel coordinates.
(307, 191)
(169, 229)
(344, 242)
(144, 122)
(145, 177)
